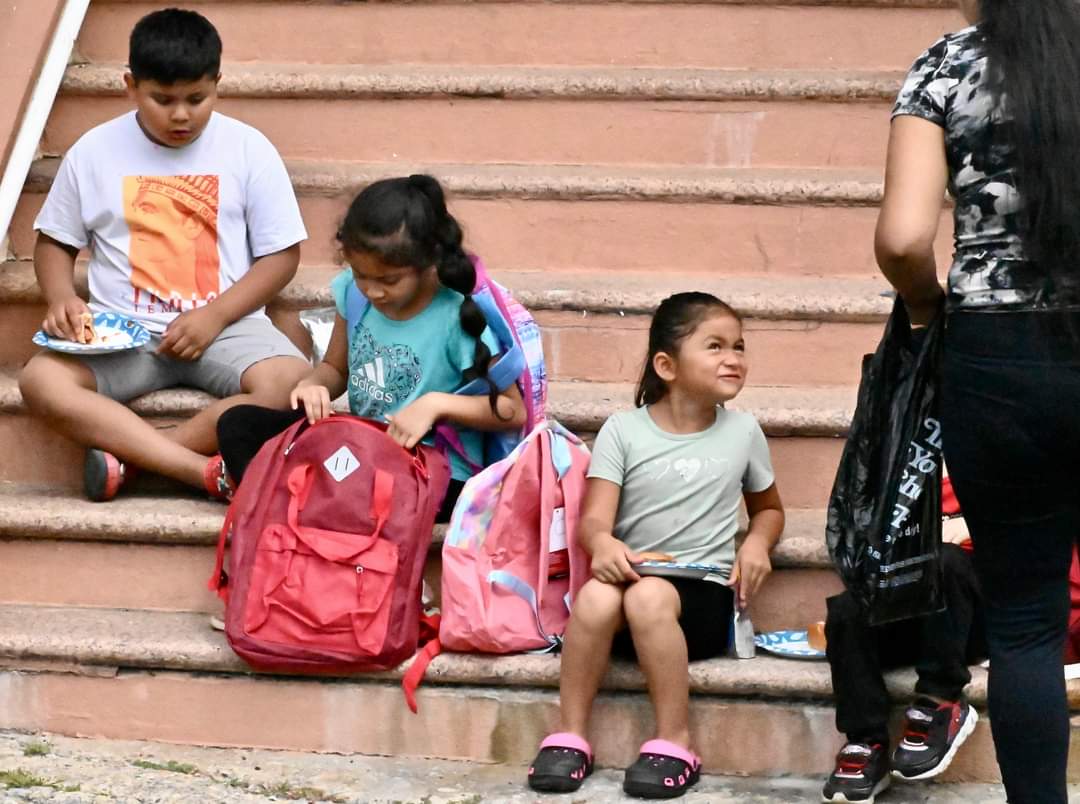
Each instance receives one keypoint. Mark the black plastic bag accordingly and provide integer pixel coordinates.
(884, 518)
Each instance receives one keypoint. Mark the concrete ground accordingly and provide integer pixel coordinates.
(47, 768)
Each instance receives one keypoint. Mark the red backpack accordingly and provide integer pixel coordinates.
(329, 533)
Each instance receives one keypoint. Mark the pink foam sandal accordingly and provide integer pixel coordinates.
(564, 761)
(662, 770)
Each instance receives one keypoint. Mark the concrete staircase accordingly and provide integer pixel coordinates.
(601, 156)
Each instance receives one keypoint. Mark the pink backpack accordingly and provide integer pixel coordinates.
(329, 533)
(511, 562)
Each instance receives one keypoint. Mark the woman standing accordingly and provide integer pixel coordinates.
(992, 112)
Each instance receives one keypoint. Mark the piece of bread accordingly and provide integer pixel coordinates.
(653, 556)
(86, 333)
(815, 635)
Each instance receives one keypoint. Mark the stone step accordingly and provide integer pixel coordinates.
(799, 331)
(519, 115)
(155, 552)
(660, 219)
(745, 35)
(49, 516)
(805, 428)
(167, 676)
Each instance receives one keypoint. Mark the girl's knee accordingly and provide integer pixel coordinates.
(650, 601)
(598, 604)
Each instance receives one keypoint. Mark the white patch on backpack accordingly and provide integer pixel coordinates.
(341, 464)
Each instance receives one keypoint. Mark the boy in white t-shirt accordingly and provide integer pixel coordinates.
(192, 227)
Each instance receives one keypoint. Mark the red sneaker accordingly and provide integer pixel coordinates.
(104, 475)
(216, 480)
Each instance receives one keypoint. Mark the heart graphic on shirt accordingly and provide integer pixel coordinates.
(687, 468)
(380, 377)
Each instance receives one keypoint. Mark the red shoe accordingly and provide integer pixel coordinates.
(104, 475)
(216, 480)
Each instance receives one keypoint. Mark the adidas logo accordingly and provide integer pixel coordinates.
(370, 379)
(375, 371)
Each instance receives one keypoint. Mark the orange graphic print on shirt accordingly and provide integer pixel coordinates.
(174, 257)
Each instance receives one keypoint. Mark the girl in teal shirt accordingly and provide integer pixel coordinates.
(420, 338)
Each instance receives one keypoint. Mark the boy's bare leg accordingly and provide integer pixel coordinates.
(266, 383)
(652, 609)
(63, 392)
(586, 651)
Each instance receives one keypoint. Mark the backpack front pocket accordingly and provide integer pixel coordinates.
(323, 590)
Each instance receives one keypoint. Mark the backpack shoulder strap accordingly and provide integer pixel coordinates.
(429, 625)
(510, 364)
(356, 305)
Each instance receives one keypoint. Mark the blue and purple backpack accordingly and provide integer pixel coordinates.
(521, 359)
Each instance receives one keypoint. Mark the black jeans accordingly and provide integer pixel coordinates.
(243, 430)
(940, 645)
(1011, 428)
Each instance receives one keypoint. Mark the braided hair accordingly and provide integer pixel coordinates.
(404, 222)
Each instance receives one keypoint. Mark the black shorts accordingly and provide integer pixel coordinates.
(707, 608)
(243, 430)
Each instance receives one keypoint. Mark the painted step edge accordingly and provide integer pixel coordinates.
(180, 641)
(853, 299)
(348, 81)
(764, 186)
(176, 520)
(947, 4)
(582, 406)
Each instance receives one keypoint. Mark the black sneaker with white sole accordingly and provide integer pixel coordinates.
(862, 771)
(933, 733)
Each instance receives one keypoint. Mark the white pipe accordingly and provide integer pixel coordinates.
(37, 110)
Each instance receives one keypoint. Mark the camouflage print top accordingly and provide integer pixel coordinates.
(948, 86)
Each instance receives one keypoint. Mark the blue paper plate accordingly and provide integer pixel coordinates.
(676, 569)
(115, 333)
(790, 644)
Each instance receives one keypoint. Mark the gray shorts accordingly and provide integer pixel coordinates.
(242, 344)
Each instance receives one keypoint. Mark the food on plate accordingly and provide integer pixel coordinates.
(815, 635)
(85, 332)
(653, 556)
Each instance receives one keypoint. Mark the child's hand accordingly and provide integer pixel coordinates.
(314, 398)
(752, 567)
(414, 421)
(611, 560)
(64, 319)
(190, 333)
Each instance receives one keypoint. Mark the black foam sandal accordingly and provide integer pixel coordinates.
(564, 761)
(663, 770)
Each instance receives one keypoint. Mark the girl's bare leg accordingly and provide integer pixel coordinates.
(652, 610)
(597, 616)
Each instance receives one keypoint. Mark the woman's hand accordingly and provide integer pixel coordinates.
(923, 311)
(414, 421)
(612, 559)
(752, 567)
(315, 399)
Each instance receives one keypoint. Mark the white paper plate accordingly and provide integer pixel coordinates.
(789, 644)
(116, 333)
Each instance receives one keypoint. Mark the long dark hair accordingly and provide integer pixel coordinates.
(1034, 63)
(673, 322)
(405, 222)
